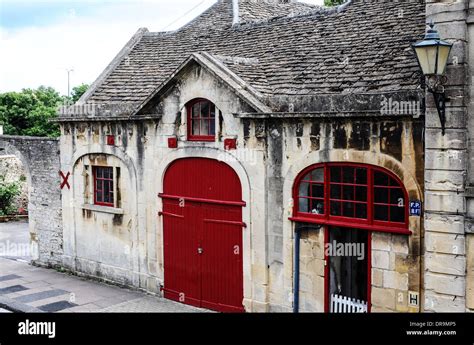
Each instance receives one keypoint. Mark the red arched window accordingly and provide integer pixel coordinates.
(201, 120)
(352, 195)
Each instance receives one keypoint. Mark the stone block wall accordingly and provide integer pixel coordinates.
(394, 273)
(470, 272)
(40, 158)
(447, 159)
(312, 271)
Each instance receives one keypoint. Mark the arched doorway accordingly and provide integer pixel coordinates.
(202, 231)
(14, 226)
(350, 202)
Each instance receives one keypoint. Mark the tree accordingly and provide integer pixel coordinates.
(29, 112)
(78, 91)
(8, 191)
(331, 3)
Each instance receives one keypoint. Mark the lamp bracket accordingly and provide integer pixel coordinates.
(440, 101)
(436, 87)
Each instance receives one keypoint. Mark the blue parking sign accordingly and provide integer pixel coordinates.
(415, 208)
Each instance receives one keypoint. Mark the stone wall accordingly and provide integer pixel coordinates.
(446, 165)
(12, 171)
(395, 272)
(292, 145)
(40, 158)
(312, 270)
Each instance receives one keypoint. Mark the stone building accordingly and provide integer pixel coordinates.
(269, 156)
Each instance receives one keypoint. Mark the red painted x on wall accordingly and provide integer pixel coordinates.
(65, 180)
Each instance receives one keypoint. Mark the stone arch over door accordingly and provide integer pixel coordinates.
(40, 158)
(253, 241)
(81, 216)
(386, 162)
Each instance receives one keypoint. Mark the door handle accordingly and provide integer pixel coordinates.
(200, 250)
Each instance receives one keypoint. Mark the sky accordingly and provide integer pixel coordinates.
(41, 40)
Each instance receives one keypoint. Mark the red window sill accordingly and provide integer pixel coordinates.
(345, 224)
(103, 204)
(207, 139)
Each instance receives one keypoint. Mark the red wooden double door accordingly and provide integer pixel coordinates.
(202, 229)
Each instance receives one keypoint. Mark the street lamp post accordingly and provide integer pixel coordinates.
(432, 54)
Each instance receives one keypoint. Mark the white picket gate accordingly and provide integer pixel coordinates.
(343, 304)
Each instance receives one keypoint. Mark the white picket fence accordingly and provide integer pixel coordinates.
(343, 304)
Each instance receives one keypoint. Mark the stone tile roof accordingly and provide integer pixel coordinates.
(254, 11)
(364, 47)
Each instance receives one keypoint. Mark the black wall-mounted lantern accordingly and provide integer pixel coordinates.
(432, 54)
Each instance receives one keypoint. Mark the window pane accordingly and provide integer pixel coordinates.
(348, 209)
(317, 206)
(336, 191)
(303, 205)
(213, 111)
(304, 189)
(106, 191)
(393, 182)
(380, 179)
(381, 195)
(317, 175)
(348, 175)
(212, 127)
(317, 191)
(336, 174)
(361, 193)
(307, 177)
(397, 214)
(361, 176)
(381, 212)
(205, 109)
(204, 127)
(348, 193)
(196, 110)
(335, 208)
(111, 192)
(195, 124)
(397, 197)
(361, 211)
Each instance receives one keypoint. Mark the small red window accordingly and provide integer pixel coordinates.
(104, 186)
(338, 193)
(201, 120)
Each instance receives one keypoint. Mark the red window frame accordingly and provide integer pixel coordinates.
(368, 223)
(100, 180)
(191, 118)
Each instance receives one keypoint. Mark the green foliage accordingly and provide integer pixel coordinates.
(28, 112)
(8, 191)
(78, 91)
(330, 3)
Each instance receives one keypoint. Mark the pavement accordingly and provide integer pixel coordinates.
(27, 288)
(15, 241)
